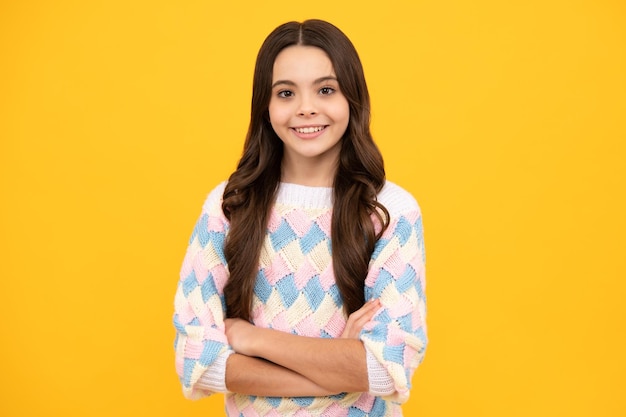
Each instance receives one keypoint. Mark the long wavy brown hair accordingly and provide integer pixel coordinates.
(251, 189)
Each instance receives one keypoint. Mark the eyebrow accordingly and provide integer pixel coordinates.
(317, 81)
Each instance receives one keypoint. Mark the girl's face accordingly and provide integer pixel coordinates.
(307, 110)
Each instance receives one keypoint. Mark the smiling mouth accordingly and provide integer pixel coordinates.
(312, 129)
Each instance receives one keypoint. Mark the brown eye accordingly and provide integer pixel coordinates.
(326, 91)
(285, 94)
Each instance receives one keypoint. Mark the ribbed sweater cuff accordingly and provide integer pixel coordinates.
(214, 378)
(380, 382)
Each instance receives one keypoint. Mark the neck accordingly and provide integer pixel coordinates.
(309, 173)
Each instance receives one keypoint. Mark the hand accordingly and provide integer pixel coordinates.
(240, 335)
(359, 318)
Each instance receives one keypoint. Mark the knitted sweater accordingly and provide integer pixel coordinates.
(295, 292)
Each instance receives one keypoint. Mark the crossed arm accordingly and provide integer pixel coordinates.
(268, 362)
(271, 363)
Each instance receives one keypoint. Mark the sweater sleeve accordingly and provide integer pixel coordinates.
(201, 347)
(396, 336)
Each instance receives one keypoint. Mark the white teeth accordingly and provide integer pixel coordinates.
(309, 129)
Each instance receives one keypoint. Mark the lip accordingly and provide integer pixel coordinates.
(311, 135)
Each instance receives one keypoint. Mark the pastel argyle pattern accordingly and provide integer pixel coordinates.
(296, 292)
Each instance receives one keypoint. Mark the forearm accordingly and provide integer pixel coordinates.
(338, 365)
(256, 376)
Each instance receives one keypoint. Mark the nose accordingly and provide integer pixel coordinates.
(307, 106)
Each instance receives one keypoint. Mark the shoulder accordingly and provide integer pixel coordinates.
(213, 203)
(397, 200)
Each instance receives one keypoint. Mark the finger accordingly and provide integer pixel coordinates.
(364, 318)
(365, 310)
(360, 318)
(360, 322)
(368, 311)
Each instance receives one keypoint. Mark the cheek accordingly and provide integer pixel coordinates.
(278, 119)
(341, 107)
(342, 113)
(277, 113)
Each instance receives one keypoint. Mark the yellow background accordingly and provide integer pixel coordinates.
(506, 120)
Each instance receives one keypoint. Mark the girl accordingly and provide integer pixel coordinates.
(302, 290)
